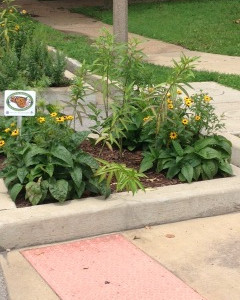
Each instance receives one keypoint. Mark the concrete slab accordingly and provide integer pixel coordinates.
(23, 282)
(108, 267)
(204, 253)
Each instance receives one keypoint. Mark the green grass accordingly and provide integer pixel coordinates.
(80, 48)
(203, 25)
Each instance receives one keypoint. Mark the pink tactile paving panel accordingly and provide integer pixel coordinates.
(106, 268)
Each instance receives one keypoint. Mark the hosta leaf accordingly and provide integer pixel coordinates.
(210, 168)
(197, 172)
(187, 172)
(80, 189)
(79, 137)
(22, 173)
(15, 190)
(10, 177)
(204, 142)
(59, 189)
(177, 147)
(147, 163)
(173, 171)
(76, 175)
(33, 192)
(209, 153)
(63, 154)
(226, 167)
(87, 159)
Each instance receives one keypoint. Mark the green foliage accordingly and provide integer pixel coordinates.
(24, 59)
(50, 171)
(205, 159)
(126, 178)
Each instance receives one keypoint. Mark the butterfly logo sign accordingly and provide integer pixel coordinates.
(19, 103)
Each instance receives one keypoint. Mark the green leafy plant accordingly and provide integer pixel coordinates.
(206, 158)
(51, 172)
(126, 178)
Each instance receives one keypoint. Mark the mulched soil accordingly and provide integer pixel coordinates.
(130, 159)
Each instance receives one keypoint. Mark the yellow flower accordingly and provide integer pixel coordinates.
(197, 118)
(24, 12)
(170, 106)
(17, 27)
(70, 117)
(188, 101)
(179, 92)
(53, 114)
(12, 124)
(168, 95)
(184, 121)
(60, 119)
(169, 101)
(41, 119)
(2, 25)
(207, 98)
(2, 143)
(173, 135)
(7, 130)
(10, 10)
(15, 132)
(146, 119)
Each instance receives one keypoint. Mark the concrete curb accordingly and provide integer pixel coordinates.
(24, 227)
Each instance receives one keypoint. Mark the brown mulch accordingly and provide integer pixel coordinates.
(130, 159)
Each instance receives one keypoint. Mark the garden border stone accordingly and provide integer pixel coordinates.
(50, 223)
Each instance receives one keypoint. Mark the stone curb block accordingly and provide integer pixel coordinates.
(77, 219)
(235, 160)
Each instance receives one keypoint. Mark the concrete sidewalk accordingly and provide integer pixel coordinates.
(202, 253)
(56, 14)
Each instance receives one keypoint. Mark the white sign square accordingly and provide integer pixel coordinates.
(19, 103)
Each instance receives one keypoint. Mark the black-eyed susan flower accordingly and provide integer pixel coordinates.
(17, 27)
(13, 124)
(188, 101)
(11, 11)
(184, 121)
(168, 94)
(169, 101)
(2, 143)
(207, 98)
(7, 130)
(60, 119)
(2, 25)
(70, 117)
(173, 135)
(41, 119)
(170, 106)
(53, 114)
(15, 132)
(197, 118)
(24, 12)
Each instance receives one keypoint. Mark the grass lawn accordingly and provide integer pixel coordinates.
(203, 25)
(80, 48)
